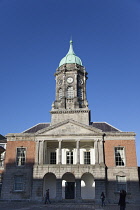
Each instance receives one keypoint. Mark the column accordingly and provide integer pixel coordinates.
(59, 152)
(101, 154)
(78, 190)
(96, 152)
(58, 189)
(37, 152)
(78, 152)
(45, 153)
(41, 152)
(84, 92)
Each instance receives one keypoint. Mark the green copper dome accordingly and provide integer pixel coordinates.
(70, 57)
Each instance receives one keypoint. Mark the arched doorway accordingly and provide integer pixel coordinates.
(87, 186)
(68, 186)
(49, 182)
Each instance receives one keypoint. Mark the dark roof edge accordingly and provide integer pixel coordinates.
(33, 127)
(107, 124)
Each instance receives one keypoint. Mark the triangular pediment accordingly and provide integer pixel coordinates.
(69, 127)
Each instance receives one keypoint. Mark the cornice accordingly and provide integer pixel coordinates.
(120, 134)
(96, 130)
(69, 111)
(20, 135)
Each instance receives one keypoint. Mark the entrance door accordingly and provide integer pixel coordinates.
(69, 190)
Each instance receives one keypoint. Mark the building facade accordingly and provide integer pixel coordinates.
(73, 157)
(3, 142)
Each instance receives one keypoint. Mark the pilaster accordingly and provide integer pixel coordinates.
(78, 190)
(78, 152)
(99, 188)
(96, 152)
(58, 189)
(41, 143)
(59, 152)
(101, 155)
(37, 153)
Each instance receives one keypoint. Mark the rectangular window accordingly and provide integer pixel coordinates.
(121, 183)
(70, 93)
(86, 157)
(21, 156)
(2, 155)
(119, 156)
(69, 157)
(53, 158)
(19, 186)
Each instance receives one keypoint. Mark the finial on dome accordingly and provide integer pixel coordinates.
(71, 39)
(71, 51)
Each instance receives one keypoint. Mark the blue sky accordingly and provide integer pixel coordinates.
(34, 36)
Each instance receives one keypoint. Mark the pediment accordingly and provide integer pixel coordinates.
(69, 127)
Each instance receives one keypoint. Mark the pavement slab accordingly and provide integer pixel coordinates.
(61, 206)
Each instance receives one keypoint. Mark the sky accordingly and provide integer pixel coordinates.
(34, 37)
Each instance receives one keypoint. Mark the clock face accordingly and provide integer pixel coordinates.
(69, 79)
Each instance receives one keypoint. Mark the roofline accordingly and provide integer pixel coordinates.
(33, 126)
(69, 120)
(109, 125)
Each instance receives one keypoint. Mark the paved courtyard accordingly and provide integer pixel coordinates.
(59, 206)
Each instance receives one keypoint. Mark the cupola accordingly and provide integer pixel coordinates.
(70, 57)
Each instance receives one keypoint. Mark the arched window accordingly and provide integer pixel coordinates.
(60, 93)
(70, 92)
(80, 93)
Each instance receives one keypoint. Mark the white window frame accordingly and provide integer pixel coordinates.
(87, 160)
(20, 159)
(69, 155)
(2, 155)
(119, 156)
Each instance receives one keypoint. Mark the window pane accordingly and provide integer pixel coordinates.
(86, 157)
(21, 153)
(119, 156)
(121, 183)
(69, 157)
(19, 183)
(53, 158)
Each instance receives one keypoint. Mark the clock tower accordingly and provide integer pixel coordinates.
(71, 101)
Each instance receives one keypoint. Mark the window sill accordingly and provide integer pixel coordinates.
(18, 191)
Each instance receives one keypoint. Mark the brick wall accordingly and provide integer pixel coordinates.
(11, 151)
(130, 152)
